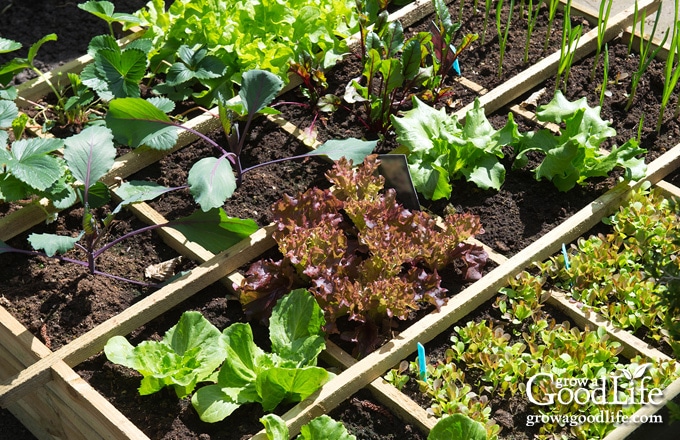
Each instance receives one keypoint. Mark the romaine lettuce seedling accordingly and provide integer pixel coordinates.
(251, 375)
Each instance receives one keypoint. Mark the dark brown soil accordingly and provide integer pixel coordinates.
(66, 301)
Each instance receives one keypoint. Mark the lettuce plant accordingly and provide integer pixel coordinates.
(192, 351)
(630, 275)
(212, 180)
(247, 35)
(322, 427)
(88, 156)
(188, 354)
(440, 149)
(574, 155)
(501, 355)
(249, 374)
(363, 256)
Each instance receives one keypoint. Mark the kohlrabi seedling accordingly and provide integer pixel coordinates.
(88, 156)
(212, 180)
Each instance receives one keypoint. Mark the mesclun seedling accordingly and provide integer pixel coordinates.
(630, 275)
(363, 255)
(88, 156)
(212, 180)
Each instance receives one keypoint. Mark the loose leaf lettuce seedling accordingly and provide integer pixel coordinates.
(251, 375)
(457, 426)
(440, 149)
(574, 155)
(320, 428)
(188, 354)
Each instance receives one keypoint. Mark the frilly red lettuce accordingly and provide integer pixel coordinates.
(362, 255)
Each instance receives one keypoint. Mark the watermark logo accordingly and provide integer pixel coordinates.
(545, 389)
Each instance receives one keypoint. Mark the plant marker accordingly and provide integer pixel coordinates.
(456, 66)
(566, 257)
(421, 362)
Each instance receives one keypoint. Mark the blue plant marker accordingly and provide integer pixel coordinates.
(422, 366)
(455, 66)
(566, 257)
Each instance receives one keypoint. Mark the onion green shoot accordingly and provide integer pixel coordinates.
(645, 56)
(570, 38)
(636, 17)
(552, 10)
(532, 17)
(671, 71)
(503, 32)
(605, 75)
(602, 19)
(487, 8)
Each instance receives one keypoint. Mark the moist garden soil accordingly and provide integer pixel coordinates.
(59, 303)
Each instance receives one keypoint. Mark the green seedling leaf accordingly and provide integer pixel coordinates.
(8, 113)
(275, 427)
(140, 191)
(122, 71)
(53, 244)
(295, 331)
(33, 50)
(162, 103)
(104, 10)
(90, 154)
(214, 229)
(258, 90)
(137, 122)
(277, 384)
(30, 161)
(211, 182)
(351, 149)
(324, 427)
(251, 375)
(213, 404)
(457, 426)
(7, 45)
(188, 354)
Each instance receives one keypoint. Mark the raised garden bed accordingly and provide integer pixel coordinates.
(40, 384)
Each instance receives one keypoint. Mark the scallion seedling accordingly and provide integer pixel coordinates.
(503, 33)
(532, 17)
(570, 38)
(605, 75)
(645, 56)
(671, 71)
(602, 19)
(552, 10)
(487, 8)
